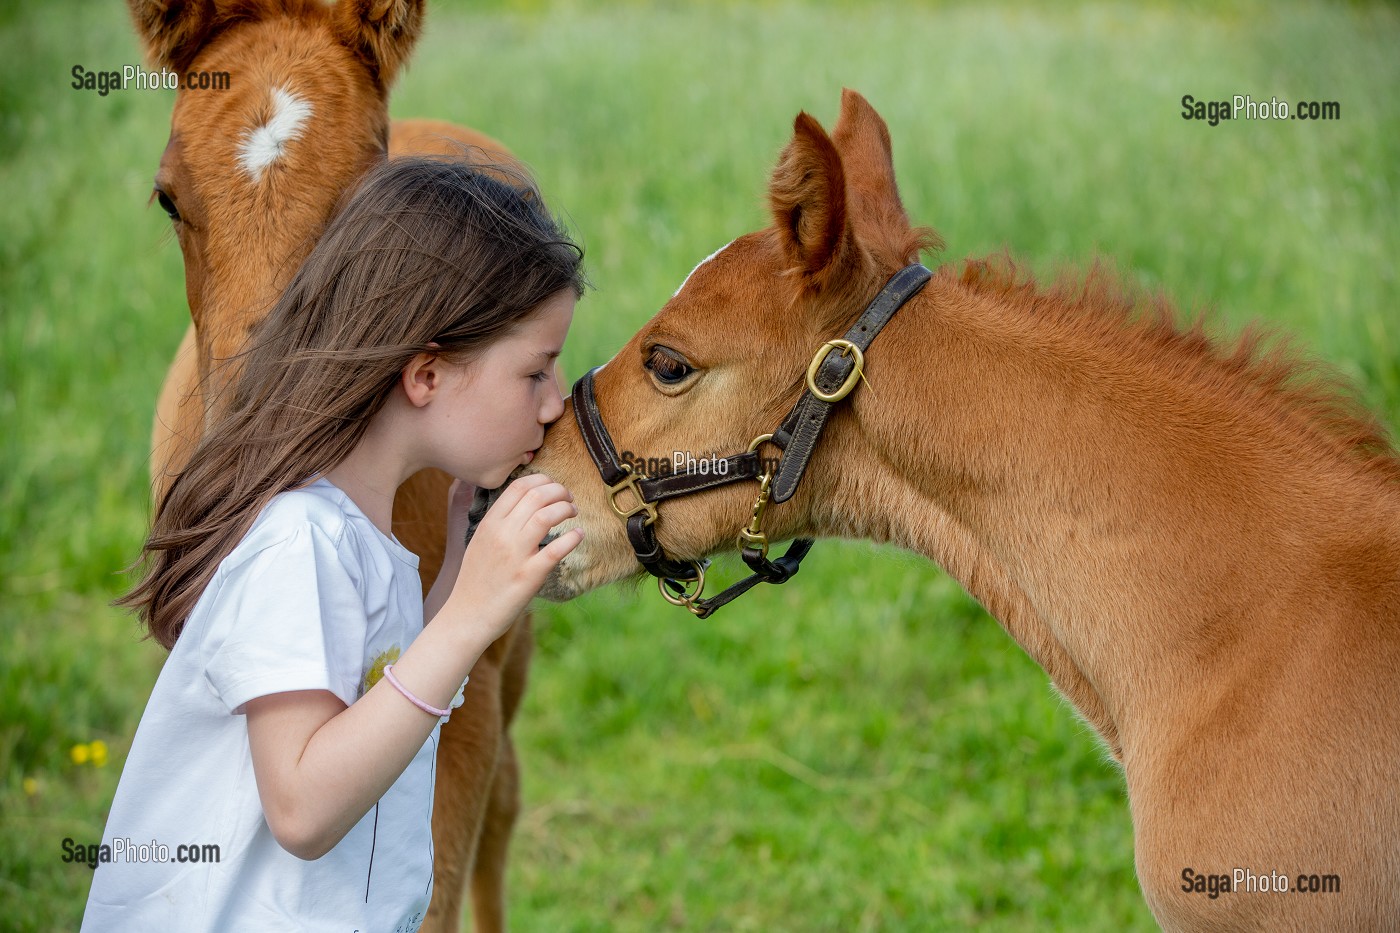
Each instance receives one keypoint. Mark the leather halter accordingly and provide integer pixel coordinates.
(830, 378)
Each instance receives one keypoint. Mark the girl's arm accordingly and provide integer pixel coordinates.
(459, 501)
(321, 765)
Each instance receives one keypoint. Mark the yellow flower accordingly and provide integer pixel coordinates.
(31, 786)
(79, 754)
(98, 750)
(376, 669)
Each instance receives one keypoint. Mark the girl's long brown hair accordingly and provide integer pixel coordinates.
(427, 251)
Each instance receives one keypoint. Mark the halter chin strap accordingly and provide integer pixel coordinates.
(831, 377)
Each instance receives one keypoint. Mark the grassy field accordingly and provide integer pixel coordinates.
(863, 748)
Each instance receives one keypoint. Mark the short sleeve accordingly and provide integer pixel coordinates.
(290, 617)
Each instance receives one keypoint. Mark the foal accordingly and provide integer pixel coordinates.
(1204, 556)
(250, 177)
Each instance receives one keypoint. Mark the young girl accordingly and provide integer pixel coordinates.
(294, 725)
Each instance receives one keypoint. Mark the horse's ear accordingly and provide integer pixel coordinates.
(380, 32)
(863, 139)
(173, 31)
(807, 195)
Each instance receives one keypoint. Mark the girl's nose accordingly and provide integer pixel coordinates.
(554, 403)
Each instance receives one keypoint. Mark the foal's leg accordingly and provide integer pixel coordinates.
(468, 752)
(489, 873)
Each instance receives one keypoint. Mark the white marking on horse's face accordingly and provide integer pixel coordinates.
(701, 263)
(265, 145)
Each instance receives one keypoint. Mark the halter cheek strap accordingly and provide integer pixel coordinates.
(831, 376)
(835, 377)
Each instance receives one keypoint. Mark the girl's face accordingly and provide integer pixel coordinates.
(492, 412)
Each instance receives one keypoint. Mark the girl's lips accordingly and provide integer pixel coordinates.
(529, 455)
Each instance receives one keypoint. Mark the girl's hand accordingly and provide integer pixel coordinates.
(504, 566)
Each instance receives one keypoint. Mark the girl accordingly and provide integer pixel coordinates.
(295, 722)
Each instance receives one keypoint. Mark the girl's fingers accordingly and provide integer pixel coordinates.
(538, 497)
(546, 518)
(559, 548)
(516, 491)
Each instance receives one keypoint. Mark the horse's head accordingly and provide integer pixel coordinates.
(725, 359)
(253, 172)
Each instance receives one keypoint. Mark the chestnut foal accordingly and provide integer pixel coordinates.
(1203, 555)
(250, 177)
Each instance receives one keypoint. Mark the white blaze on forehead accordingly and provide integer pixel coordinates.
(265, 145)
(701, 263)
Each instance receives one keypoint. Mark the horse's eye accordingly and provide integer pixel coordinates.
(167, 205)
(667, 366)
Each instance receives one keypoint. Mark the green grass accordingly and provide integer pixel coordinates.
(863, 748)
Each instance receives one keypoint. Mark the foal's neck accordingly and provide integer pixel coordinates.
(1134, 522)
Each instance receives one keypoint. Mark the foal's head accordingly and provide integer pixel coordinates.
(253, 172)
(725, 358)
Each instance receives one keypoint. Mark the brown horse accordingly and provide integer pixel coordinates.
(1200, 546)
(250, 177)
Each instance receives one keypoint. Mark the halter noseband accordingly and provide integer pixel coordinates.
(830, 378)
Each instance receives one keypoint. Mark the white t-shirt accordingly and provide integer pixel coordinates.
(314, 597)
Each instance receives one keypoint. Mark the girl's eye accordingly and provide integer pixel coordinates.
(667, 366)
(541, 376)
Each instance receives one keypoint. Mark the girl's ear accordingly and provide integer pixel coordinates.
(421, 378)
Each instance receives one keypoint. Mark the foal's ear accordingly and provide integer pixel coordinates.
(807, 195)
(381, 32)
(863, 139)
(173, 31)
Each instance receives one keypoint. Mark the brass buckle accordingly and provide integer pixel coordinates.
(630, 482)
(685, 599)
(753, 535)
(846, 347)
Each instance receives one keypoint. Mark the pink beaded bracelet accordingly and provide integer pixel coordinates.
(433, 710)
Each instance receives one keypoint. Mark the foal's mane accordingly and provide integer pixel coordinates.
(1262, 367)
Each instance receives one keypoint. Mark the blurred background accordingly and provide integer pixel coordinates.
(863, 748)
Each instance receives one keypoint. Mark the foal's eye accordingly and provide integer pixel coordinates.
(668, 366)
(167, 205)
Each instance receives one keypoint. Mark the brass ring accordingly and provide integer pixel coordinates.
(687, 598)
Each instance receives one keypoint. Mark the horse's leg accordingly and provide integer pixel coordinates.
(179, 416)
(469, 749)
(477, 791)
(489, 872)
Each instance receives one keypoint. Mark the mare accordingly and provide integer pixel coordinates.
(1199, 544)
(250, 177)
